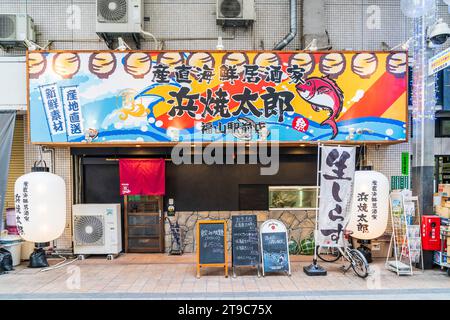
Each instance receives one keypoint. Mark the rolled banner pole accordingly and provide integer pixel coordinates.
(314, 269)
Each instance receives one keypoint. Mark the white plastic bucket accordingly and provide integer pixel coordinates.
(14, 245)
(15, 249)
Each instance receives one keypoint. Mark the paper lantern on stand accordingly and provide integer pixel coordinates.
(369, 211)
(40, 201)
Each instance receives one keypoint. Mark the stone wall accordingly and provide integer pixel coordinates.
(300, 224)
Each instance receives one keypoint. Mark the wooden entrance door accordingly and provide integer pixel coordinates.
(144, 224)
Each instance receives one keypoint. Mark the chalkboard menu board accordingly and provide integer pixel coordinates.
(245, 240)
(274, 247)
(212, 244)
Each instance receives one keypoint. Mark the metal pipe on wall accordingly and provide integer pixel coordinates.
(46, 149)
(293, 27)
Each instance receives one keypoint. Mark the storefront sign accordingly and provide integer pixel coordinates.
(212, 244)
(274, 247)
(439, 62)
(369, 212)
(245, 244)
(336, 186)
(165, 97)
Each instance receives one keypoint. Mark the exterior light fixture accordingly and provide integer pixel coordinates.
(40, 202)
(123, 46)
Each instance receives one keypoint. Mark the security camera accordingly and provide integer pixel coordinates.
(439, 32)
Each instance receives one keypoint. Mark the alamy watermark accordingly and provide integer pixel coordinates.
(259, 152)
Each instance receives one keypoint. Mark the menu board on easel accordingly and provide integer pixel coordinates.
(274, 247)
(212, 245)
(244, 234)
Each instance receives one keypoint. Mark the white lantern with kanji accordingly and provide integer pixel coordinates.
(40, 202)
(369, 213)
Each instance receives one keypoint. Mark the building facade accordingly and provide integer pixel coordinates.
(191, 25)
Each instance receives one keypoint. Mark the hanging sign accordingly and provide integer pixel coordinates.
(165, 97)
(369, 213)
(439, 62)
(212, 248)
(274, 247)
(336, 183)
(405, 163)
(244, 233)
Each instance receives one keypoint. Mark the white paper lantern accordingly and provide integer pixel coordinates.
(369, 213)
(415, 8)
(40, 201)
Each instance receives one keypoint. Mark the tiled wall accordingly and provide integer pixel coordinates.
(187, 24)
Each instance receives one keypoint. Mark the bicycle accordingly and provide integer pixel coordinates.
(356, 259)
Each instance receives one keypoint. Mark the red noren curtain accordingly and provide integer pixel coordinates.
(142, 177)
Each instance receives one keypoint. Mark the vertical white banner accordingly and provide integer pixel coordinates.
(72, 110)
(336, 189)
(53, 109)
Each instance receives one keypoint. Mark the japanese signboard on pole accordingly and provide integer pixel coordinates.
(336, 188)
(166, 97)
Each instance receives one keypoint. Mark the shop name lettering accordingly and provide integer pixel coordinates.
(363, 208)
(334, 159)
(233, 127)
(216, 102)
(22, 207)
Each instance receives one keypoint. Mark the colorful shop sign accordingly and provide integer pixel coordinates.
(141, 97)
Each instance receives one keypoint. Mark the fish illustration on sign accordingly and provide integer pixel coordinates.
(323, 94)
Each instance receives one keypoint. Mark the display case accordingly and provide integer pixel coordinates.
(292, 198)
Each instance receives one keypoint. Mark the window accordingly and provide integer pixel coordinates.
(443, 125)
(253, 197)
(294, 198)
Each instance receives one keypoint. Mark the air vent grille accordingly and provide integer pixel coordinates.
(7, 26)
(231, 9)
(112, 11)
(89, 230)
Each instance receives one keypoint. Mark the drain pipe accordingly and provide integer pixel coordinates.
(293, 27)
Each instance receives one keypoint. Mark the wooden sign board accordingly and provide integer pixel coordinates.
(244, 234)
(274, 247)
(212, 248)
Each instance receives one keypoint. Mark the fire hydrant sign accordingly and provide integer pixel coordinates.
(166, 97)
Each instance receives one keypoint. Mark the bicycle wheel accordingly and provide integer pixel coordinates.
(328, 254)
(359, 263)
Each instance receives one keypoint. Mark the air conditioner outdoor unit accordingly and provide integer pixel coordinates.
(15, 28)
(235, 13)
(97, 229)
(119, 17)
